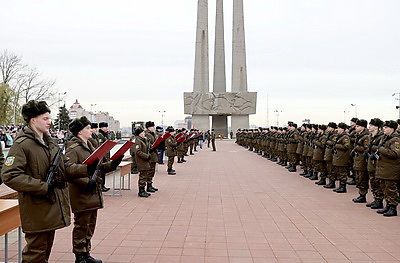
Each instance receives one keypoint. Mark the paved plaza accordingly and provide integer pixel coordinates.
(235, 206)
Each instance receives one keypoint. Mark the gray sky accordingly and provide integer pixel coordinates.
(134, 58)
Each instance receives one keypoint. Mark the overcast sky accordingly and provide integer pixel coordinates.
(312, 58)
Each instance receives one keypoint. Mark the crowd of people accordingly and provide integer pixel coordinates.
(368, 153)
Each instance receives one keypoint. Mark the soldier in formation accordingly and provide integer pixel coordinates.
(335, 155)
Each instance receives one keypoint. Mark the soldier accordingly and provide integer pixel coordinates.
(341, 157)
(212, 138)
(375, 136)
(143, 157)
(181, 149)
(94, 140)
(85, 192)
(134, 168)
(151, 138)
(319, 152)
(306, 161)
(43, 207)
(387, 157)
(102, 137)
(359, 163)
(161, 147)
(191, 141)
(328, 156)
(292, 140)
(352, 134)
(171, 150)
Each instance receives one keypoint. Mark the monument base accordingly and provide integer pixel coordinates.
(201, 122)
(220, 124)
(239, 122)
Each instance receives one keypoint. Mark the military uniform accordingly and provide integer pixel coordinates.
(171, 145)
(328, 155)
(143, 157)
(102, 137)
(387, 169)
(212, 138)
(43, 207)
(341, 158)
(151, 138)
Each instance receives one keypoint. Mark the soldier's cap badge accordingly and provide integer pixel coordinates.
(9, 161)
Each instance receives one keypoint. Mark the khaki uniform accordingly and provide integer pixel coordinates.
(171, 150)
(101, 138)
(84, 202)
(359, 163)
(25, 170)
(212, 138)
(341, 157)
(387, 168)
(371, 166)
(151, 138)
(328, 156)
(318, 154)
(142, 156)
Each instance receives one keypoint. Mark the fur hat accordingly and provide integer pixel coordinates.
(376, 122)
(391, 124)
(159, 129)
(94, 125)
(33, 108)
(362, 122)
(138, 131)
(322, 127)
(103, 124)
(354, 119)
(342, 125)
(170, 129)
(78, 124)
(332, 125)
(149, 124)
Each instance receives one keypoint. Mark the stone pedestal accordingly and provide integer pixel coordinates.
(239, 122)
(220, 124)
(201, 122)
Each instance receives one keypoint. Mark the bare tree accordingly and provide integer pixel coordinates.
(10, 66)
(32, 87)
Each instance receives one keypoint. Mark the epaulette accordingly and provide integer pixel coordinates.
(20, 139)
(72, 146)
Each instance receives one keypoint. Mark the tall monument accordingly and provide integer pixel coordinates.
(219, 104)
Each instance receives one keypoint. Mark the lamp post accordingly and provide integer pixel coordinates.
(277, 116)
(344, 118)
(59, 112)
(91, 111)
(398, 99)
(162, 117)
(355, 106)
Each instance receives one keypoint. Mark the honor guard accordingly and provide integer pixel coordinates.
(143, 157)
(151, 138)
(43, 206)
(171, 145)
(84, 187)
(341, 157)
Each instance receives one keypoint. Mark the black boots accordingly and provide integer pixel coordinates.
(314, 176)
(341, 189)
(171, 171)
(150, 188)
(331, 185)
(321, 181)
(292, 169)
(179, 160)
(376, 204)
(360, 199)
(86, 258)
(305, 172)
(143, 193)
(389, 210)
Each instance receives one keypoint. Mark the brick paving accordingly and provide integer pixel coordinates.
(235, 206)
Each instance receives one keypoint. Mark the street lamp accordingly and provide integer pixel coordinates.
(91, 112)
(162, 117)
(397, 107)
(59, 111)
(344, 118)
(277, 116)
(354, 105)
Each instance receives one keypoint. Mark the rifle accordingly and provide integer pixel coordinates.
(52, 172)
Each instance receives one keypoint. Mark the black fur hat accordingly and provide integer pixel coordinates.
(342, 125)
(103, 124)
(78, 124)
(354, 119)
(391, 124)
(94, 125)
(322, 127)
(332, 125)
(149, 124)
(138, 131)
(362, 122)
(33, 108)
(376, 122)
(170, 129)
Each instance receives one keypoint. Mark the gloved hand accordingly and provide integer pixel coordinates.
(116, 162)
(91, 184)
(92, 167)
(352, 154)
(374, 157)
(153, 150)
(148, 158)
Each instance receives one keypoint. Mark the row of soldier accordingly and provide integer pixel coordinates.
(367, 152)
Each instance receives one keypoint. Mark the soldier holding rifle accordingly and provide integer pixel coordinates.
(25, 171)
(85, 187)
